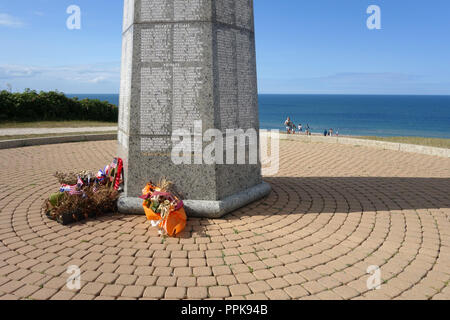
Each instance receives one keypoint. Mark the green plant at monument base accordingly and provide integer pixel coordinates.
(84, 195)
(56, 198)
(51, 106)
(95, 201)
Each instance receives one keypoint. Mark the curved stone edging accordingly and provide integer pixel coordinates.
(404, 147)
(19, 143)
(412, 148)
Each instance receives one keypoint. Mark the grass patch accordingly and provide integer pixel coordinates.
(55, 124)
(429, 142)
(31, 136)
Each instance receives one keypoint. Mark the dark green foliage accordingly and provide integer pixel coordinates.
(53, 106)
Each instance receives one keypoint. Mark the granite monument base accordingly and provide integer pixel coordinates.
(205, 209)
(189, 72)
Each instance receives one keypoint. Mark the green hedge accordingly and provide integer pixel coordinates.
(49, 106)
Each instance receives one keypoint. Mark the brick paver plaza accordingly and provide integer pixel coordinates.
(334, 211)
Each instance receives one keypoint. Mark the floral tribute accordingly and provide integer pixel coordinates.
(84, 195)
(163, 208)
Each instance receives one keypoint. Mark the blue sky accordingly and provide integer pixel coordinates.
(320, 46)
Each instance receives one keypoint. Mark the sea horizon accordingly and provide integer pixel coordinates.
(302, 94)
(384, 115)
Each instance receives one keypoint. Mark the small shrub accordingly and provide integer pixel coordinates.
(53, 106)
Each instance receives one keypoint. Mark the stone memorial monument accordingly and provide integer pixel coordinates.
(189, 66)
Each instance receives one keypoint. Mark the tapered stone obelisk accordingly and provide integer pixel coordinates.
(185, 61)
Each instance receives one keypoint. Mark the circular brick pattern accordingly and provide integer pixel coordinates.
(334, 211)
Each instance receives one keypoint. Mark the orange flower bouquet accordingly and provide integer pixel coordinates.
(164, 209)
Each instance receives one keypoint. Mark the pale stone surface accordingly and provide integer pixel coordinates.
(411, 148)
(30, 131)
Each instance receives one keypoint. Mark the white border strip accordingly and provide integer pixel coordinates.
(412, 148)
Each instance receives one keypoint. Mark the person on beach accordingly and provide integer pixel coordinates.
(300, 128)
(330, 132)
(308, 130)
(287, 123)
(293, 128)
(325, 133)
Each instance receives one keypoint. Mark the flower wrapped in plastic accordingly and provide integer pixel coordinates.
(164, 209)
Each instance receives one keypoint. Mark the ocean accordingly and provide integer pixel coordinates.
(368, 115)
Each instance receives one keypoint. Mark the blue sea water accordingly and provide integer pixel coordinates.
(377, 115)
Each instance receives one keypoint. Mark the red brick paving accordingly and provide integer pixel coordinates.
(334, 211)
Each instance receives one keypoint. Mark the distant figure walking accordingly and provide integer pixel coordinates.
(287, 123)
(330, 132)
(325, 133)
(308, 130)
(300, 128)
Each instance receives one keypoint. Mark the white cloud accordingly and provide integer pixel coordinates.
(96, 78)
(357, 83)
(15, 71)
(80, 73)
(7, 20)
(370, 77)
